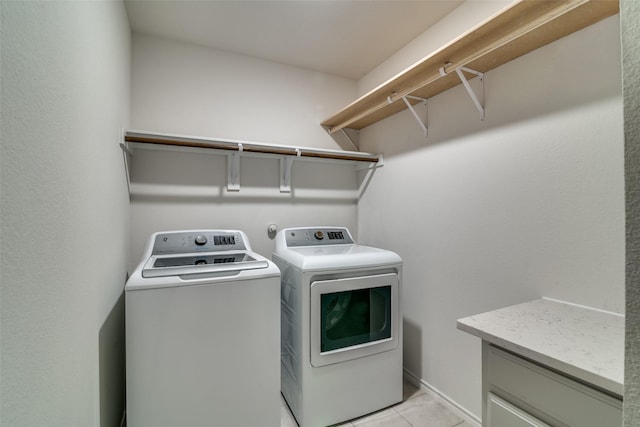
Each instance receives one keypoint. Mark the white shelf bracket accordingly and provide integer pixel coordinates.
(372, 166)
(126, 154)
(467, 86)
(423, 124)
(126, 149)
(352, 136)
(233, 170)
(286, 164)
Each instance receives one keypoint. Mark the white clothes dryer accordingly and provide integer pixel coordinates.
(341, 322)
(202, 333)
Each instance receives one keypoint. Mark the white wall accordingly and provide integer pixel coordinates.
(65, 97)
(629, 23)
(187, 89)
(528, 203)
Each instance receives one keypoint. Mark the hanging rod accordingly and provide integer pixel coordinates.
(247, 147)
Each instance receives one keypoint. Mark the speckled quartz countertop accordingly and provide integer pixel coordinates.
(584, 343)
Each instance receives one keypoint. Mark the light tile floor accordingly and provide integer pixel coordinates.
(417, 409)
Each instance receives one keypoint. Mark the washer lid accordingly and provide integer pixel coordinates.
(338, 257)
(199, 263)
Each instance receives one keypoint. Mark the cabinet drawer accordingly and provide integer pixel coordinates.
(503, 414)
(553, 398)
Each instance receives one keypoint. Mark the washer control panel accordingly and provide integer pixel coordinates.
(318, 236)
(197, 241)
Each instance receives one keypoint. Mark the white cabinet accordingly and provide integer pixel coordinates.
(548, 363)
(519, 393)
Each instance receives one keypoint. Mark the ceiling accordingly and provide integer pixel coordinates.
(342, 37)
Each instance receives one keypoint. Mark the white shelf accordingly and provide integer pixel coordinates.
(518, 29)
(235, 149)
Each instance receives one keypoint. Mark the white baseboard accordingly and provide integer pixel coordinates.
(443, 398)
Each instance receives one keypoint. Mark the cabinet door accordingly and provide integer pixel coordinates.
(503, 414)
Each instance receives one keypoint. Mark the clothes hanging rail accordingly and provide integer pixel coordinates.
(249, 147)
(235, 149)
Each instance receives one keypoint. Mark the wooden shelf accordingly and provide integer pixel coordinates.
(516, 30)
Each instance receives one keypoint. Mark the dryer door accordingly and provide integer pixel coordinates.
(353, 317)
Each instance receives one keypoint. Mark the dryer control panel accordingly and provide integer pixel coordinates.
(198, 241)
(318, 236)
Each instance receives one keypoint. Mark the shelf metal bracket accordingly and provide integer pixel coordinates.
(126, 154)
(467, 86)
(423, 124)
(233, 170)
(126, 148)
(285, 172)
(352, 136)
(378, 164)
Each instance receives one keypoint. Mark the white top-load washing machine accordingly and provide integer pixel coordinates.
(203, 333)
(341, 325)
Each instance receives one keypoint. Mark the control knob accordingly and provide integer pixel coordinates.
(319, 235)
(201, 240)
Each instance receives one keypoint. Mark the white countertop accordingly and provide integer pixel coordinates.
(584, 343)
